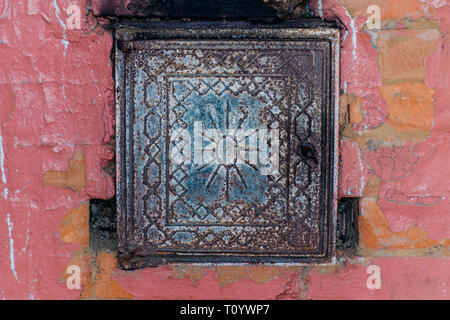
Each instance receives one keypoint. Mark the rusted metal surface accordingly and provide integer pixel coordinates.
(227, 80)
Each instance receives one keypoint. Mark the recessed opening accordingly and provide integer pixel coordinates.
(347, 236)
(102, 225)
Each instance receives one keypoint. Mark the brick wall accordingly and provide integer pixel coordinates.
(56, 130)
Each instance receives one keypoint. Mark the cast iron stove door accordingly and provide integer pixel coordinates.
(226, 146)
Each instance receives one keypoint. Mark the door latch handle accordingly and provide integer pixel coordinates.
(306, 151)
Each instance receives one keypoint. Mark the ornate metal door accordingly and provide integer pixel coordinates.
(226, 145)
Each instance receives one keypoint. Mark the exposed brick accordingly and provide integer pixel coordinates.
(372, 187)
(410, 106)
(398, 9)
(74, 178)
(375, 232)
(104, 287)
(402, 54)
(75, 225)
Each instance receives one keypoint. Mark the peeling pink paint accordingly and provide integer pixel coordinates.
(391, 163)
(401, 278)
(159, 284)
(354, 174)
(56, 99)
(52, 104)
(374, 109)
(422, 197)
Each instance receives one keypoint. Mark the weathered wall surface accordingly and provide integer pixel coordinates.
(56, 123)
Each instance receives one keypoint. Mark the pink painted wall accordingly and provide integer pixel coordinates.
(56, 124)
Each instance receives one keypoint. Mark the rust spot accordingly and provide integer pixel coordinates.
(74, 178)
